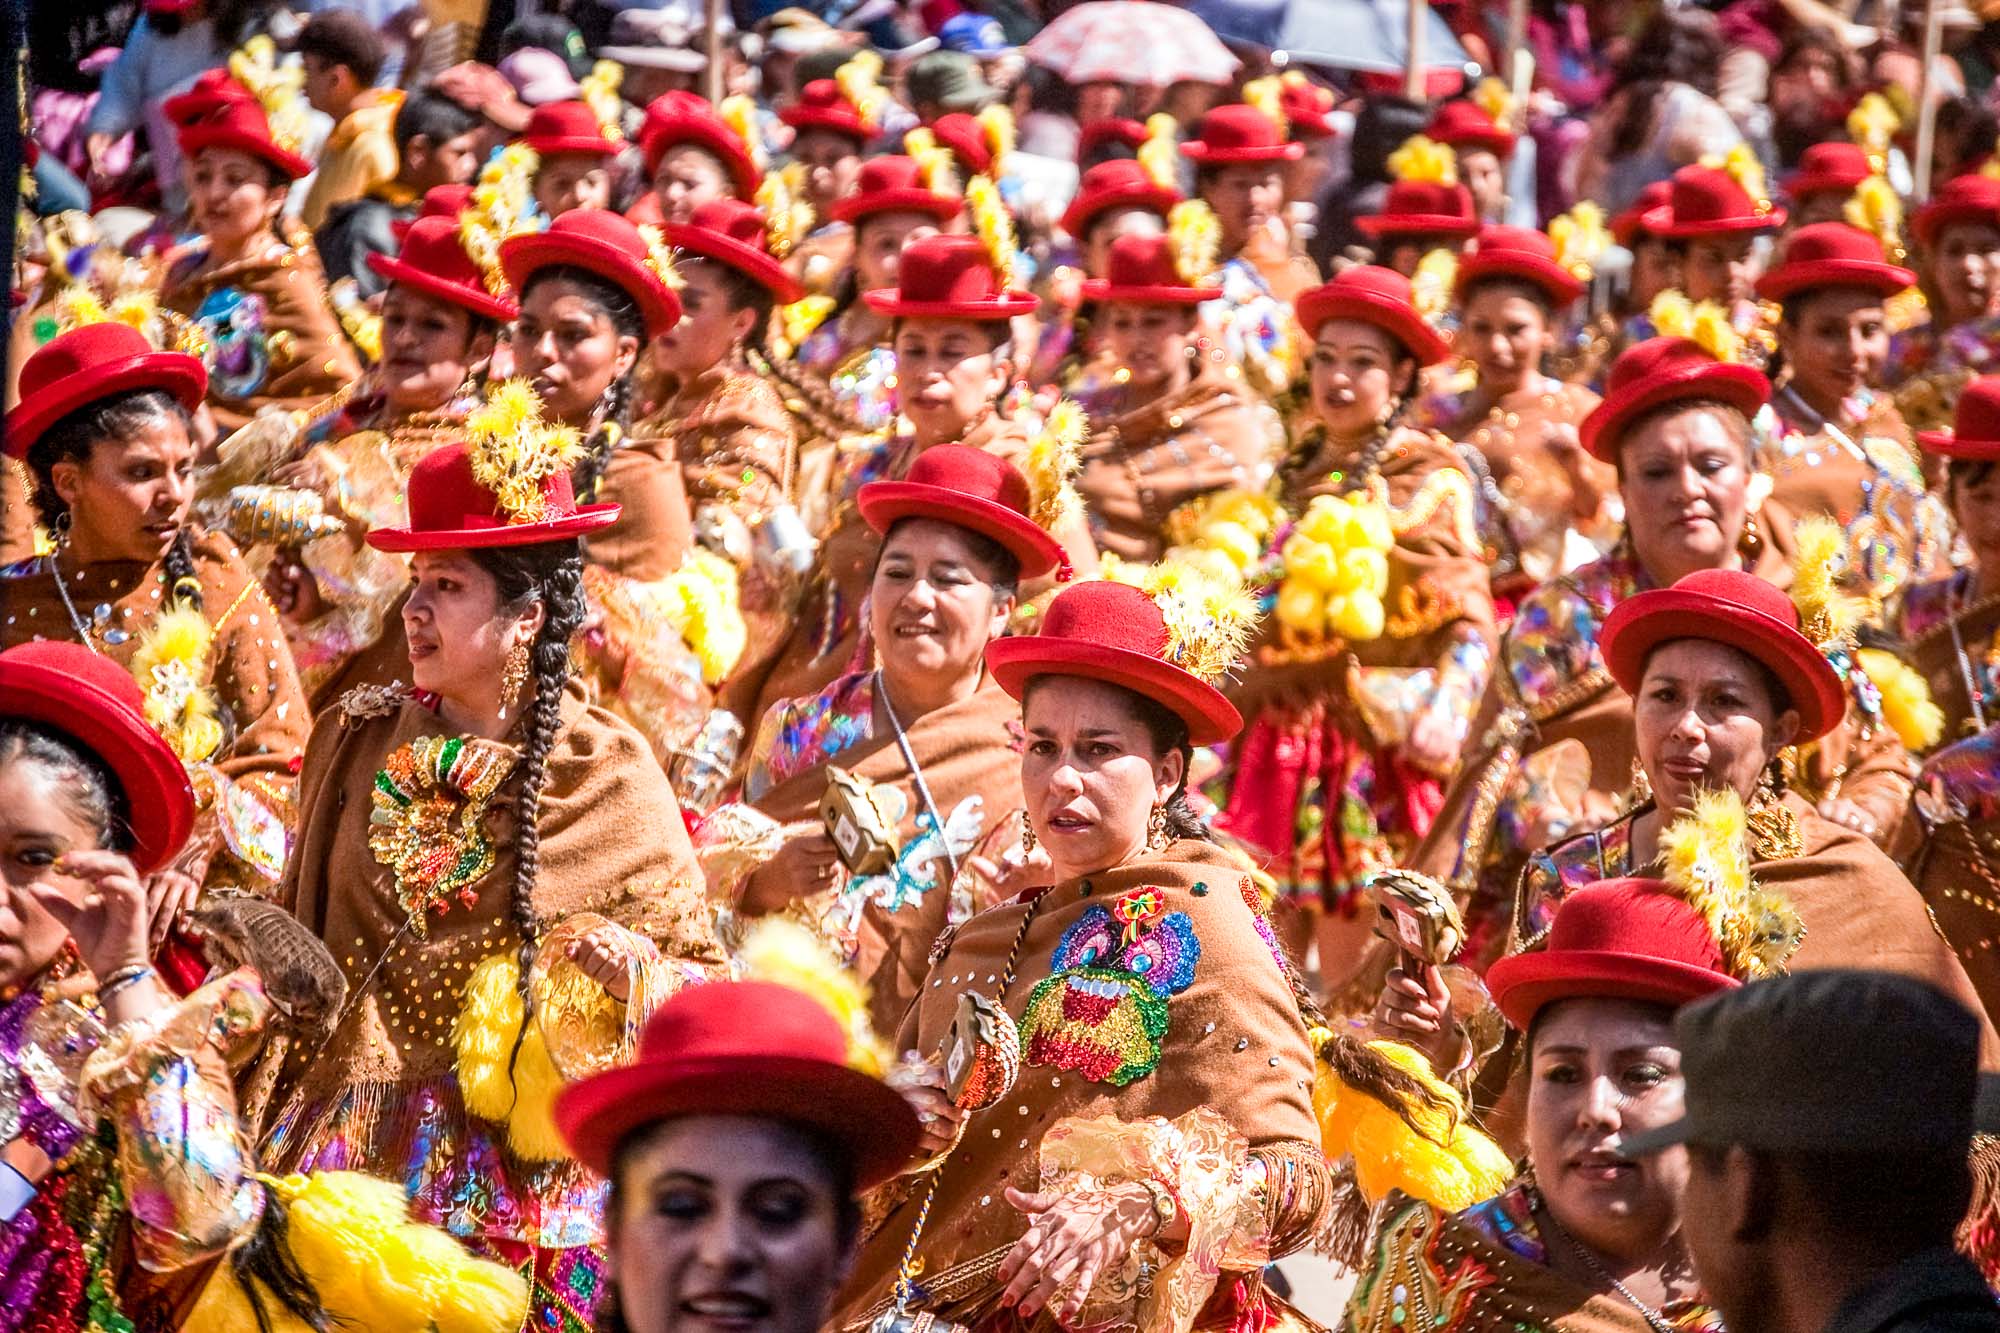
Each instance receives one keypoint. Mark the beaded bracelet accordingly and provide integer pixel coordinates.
(122, 978)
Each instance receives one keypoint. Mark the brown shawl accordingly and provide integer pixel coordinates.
(1957, 869)
(1233, 1042)
(652, 534)
(733, 438)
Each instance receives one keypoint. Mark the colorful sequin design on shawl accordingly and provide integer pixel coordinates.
(567, 1285)
(1553, 875)
(430, 802)
(802, 734)
(1927, 606)
(1102, 1011)
(1964, 779)
(1255, 324)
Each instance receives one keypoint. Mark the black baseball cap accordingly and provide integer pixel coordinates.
(551, 32)
(1833, 1061)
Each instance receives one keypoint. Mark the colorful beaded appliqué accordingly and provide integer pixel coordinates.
(1103, 1009)
(429, 802)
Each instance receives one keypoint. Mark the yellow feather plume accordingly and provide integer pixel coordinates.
(1707, 855)
(1195, 234)
(740, 114)
(1706, 323)
(502, 206)
(996, 123)
(703, 606)
(1160, 155)
(514, 451)
(796, 323)
(1827, 615)
(171, 666)
(1496, 100)
(1224, 532)
(1580, 238)
(600, 94)
(935, 162)
(1906, 699)
(507, 1076)
(1433, 284)
(859, 81)
(76, 306)
(1268, 96)
(994, 226)
(1872, 124)
(279, 88)
(1209, 619)
(1742, 166)
(1052, 460)
(1435, 1154)
(785, 952)
(660, 257)
(1424, 159)
(787, 215)
(1877, 209)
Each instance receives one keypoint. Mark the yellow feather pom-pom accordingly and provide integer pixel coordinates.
(787, 215)
(514, 452)
(1743, 167)
(1442, 1160)
(740, 114)
(1877, 209)
(1872, 124)
(1580, 238)
(935, 162)
(600, 94)
(489, 1021)
(502, 206)
(859, 82)
(1195, 235)
(1496, 100)
(1707, 857)
(796, 322)
(531, 1128)
(1052, 460)
(1423, 159)
(1268, 96)
(279, 88)
(1433, 286)
(1906, 699)
(702, 604)
(996, 123)
(507, 1076)
(1160, 155)
(171, 666)
(994, 226)
(785, 952)
(1209, 621)
(1827, 615)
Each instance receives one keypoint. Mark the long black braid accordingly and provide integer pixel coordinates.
(617, 305)
(550, 573)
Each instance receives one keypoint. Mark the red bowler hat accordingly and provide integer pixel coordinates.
(1627, 226)
(1141, 271)
(1736, 608)
(451, 511)
(966, 138)
(1306, 105)
(698, 1056)
(68, 688)
(1518, 252)
(76, 369)
(1659, 371)
(948, 277)
(1465, 125)
(1378, 296)
(822, 106)
(433, 261)
(605, 244)
(1119, 183)
(210, 89)
(567, 127)
(955, 483)
(679, 117)
(440, 201)
(1424, 208)
(1832, 254)
(1972, 198)
(732, 232)
(893, 183)
(238, 123)
(1975, 427)
(1828, 168)
(1238, 132)
(1707, 201)
(1114, 129)
(1113, 632)
(1622, 939)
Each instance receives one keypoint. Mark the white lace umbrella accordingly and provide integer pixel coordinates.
(1131, 41)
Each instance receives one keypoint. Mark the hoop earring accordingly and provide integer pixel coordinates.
(1027, 833)
(513, 677)
(59, 533)
(1157, 836)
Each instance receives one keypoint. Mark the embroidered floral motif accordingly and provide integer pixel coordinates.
(1103, 1009)
(239, 356)
(430, 799)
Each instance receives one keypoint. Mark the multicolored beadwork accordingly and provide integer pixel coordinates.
(1102, 1011)
(429, 802)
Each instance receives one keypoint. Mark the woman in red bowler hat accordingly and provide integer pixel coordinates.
(1723, 678)
(1825, 181)
(1840, 448)
(1581, 1237)
(1341, 766)
(1114, 199)
(1957, 261)
(173, 1228)
(1483, 148)
(1426, 209)
(103, 430)
(1240, 158)
(693, 156)
(928, 732)
(493, 862)
(1656, 265)
(576, 158)
(1160, 1031)
(833, 122)
(753, 1141)
(1513, 298)
(1170, 422)
(441, 318)
(1714, 219)
(950, 318)
(1952, 624)
(251, 281)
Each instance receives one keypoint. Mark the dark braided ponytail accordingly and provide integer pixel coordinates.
(617, 305)
(550, 573)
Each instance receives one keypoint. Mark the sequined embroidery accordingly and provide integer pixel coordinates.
(1102, 1011)
(429, 801)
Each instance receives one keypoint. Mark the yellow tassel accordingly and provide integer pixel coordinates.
(1422, 1146)
(1496, 100)
(1906, 699)
(1423, 159)
(1827, 615)
(1707, 855)
(502, 201)
(600, 94)
(785, 952)
(1580, 238)
(171, 666)
(1160, 155)
(1195, 234)
(994, 226)
(859, 82)
(996, 123)
(1268, 96)
(740, 114)
(1742, 166)
(1053, 457)
(489, 1019)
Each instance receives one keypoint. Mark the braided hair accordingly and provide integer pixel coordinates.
(549, 573)
(617, 305)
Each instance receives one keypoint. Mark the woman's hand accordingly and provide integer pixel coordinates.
(1072, 1239)
(605, 954)
(1414, 1010)
(1014, 872)
(1840, 810)
(1433, 743)
(293, 589)
(169, 893)
(106, 909)
(805, 865)
(936, 1112)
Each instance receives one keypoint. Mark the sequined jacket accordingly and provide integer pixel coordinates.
(1953, 641)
